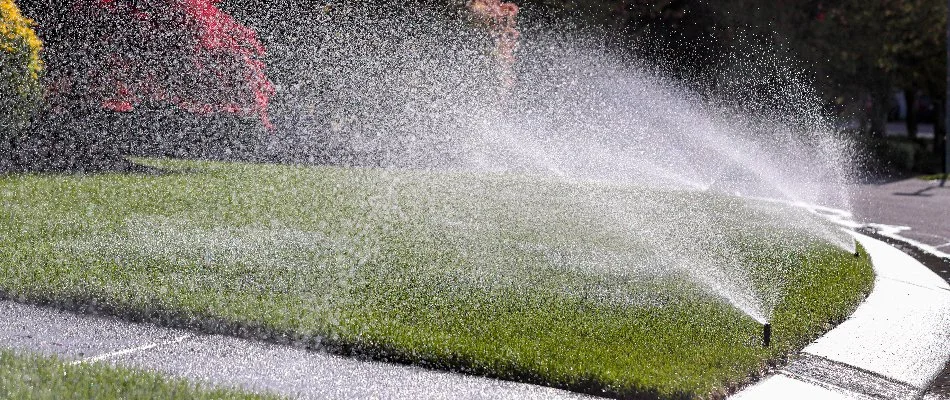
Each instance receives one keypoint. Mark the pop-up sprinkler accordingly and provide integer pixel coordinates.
(767, 335)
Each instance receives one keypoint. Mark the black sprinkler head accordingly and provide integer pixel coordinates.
(767, 335)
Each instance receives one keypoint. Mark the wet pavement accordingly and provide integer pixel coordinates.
(922, 207)
(912, 214)
(941, 386)
(810, 368)
(231, 362)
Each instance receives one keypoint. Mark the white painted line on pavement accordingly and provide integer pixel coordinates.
(147, 347)
(894, 232)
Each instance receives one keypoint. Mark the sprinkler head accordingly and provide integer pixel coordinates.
(767, 335)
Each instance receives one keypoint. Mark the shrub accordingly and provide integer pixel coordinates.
(501, 20)
(119, 72)
(20, 68)
(183, 52)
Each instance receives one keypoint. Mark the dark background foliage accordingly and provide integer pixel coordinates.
(860, 55)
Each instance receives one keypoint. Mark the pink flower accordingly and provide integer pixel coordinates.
(185, 52)
(501, 19)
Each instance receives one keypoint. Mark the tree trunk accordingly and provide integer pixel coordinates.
(7, 152)
(878, 117)
(940, 129)
(910, 97)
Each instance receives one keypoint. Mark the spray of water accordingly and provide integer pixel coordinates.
(406, 86)
(665, 171)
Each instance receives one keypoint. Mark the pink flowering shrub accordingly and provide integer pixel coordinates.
(501, 20)
(184, 52)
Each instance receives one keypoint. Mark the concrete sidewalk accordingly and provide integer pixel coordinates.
(913, 215)
(893, 347)
(230, 362)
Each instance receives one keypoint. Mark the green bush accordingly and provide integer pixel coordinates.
(20, 68)
(898, 155)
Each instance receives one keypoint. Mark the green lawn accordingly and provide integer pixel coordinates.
(38, 377)
(550, 282)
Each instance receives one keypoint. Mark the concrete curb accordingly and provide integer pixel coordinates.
(892, 347)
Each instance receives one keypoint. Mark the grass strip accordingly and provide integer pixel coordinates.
(933, 177)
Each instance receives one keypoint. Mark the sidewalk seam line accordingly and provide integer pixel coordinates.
(830, 386)
(119, 353)
(929, 287)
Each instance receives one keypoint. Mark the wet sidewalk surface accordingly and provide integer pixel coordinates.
(924, 208)
(231, 362)
(892, 347)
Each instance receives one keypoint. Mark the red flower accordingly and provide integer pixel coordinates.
(117, 105)
(184, 52)
(501, 20)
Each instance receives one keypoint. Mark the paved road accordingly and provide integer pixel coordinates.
(228, 361)
(924, 208)
(921, 205)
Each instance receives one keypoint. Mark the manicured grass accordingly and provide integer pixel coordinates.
(39, 377)
(557, 283)
(934, 177)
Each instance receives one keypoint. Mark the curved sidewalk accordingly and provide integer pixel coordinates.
(892, 347)
(230, 362)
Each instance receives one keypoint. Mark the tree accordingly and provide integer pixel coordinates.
(20, 68)
(119, 70)
(677, 34)
(501, 21)
(20, 73)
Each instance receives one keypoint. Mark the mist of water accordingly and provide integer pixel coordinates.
(423, 89)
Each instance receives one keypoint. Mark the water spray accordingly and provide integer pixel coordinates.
(767, 335)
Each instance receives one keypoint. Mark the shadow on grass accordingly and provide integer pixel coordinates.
(101, 165)
(92, 141)
(65, 147)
